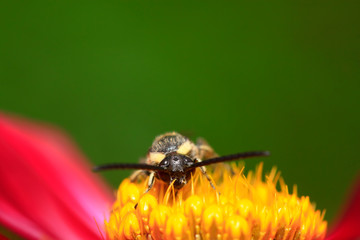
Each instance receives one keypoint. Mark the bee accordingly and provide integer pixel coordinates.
(173, 158)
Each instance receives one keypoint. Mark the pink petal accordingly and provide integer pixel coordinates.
(47, 188)
(348, 228)
(2, 237)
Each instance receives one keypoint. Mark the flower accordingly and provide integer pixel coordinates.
(48, 192)
(47, 188)
(348, 225)
(247, 208)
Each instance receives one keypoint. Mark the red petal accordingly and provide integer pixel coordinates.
(2, 237)
(47, 188)
(348, 228)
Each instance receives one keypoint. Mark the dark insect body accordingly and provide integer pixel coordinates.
(173, 158)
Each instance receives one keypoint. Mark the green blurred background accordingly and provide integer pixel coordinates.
(114, 74)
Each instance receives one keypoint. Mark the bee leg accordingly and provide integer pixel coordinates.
(138, 174)
(150, 182)
(203, 170)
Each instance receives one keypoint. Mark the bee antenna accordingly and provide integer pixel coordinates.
(139, 166)
(231, 157)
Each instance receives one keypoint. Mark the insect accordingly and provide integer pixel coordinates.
(173, 158)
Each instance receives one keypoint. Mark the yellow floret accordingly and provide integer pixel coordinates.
(247, 208)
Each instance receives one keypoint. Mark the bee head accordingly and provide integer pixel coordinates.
(177, 169)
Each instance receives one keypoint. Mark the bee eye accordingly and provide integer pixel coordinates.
(164, 163)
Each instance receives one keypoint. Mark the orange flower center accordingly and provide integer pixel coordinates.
(247, 208)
